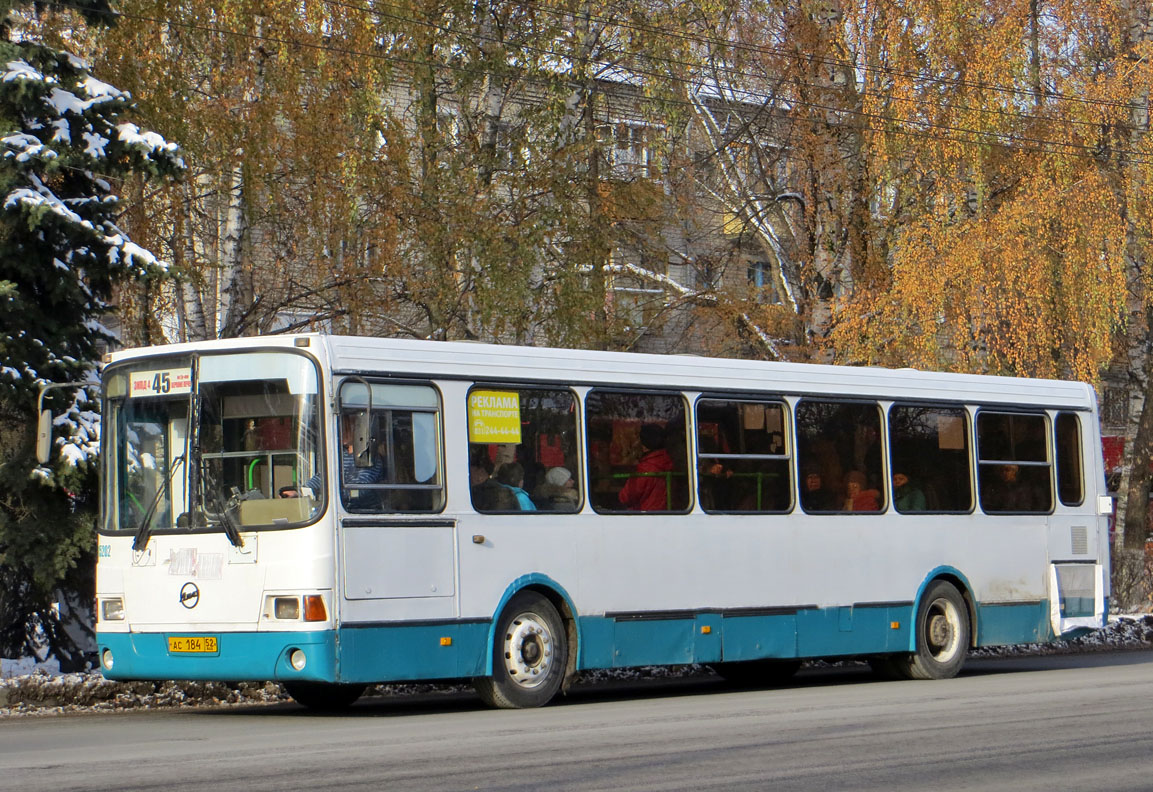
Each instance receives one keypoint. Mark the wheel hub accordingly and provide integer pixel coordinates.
(528, 650)
(940, 631)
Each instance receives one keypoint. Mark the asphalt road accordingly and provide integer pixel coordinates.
(1080, 722)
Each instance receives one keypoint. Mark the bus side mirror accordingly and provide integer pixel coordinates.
(361, 450)
(44, 437)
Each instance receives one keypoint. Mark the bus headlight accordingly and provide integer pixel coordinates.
(295, 607)
(106, 659)
(286, 608)
(112, 609)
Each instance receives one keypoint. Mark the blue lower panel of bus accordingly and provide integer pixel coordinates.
(1012, 623)
(239, 656)
(631, 639)
(444, 650)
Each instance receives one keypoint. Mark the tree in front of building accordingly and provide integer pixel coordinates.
(63, 144)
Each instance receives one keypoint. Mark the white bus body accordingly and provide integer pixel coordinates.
(229, 581)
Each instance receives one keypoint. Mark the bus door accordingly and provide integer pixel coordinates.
(394, 544)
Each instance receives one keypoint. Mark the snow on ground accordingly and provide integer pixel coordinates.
(29, 688)
(28, 665)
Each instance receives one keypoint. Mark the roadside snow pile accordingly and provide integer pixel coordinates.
(43, 693)
(28, 665)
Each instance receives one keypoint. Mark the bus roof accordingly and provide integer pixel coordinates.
(495, 363)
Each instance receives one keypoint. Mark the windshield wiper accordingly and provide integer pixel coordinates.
(145, 532)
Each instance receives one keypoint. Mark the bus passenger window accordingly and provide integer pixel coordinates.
(1013, 463)
(743, 466)
(1070, 481)
(929, 459)
(637, 454)
(839, 450)
(397, 468)
(522, 450)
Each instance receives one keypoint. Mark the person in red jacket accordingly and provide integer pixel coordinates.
(649, 492)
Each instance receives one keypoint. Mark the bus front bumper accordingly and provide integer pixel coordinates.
(219, 656)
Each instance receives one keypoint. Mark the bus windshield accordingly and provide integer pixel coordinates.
(212, 442)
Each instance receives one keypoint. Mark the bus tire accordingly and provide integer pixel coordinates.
(942, 630)
(529, 655)
(323, 696)
(757, 673)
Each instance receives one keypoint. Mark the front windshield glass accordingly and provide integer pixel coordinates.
(219, 441)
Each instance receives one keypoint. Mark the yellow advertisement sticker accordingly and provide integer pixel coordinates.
(493, 416)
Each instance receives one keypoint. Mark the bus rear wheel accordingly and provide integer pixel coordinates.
(942, 630)
(530, 655)
(324, 697)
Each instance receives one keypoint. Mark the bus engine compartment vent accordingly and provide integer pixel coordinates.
(1079, 540)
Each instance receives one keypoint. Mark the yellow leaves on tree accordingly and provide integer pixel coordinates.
(1034, 288)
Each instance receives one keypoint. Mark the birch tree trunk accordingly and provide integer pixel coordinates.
(1133, 508)
(235, 287)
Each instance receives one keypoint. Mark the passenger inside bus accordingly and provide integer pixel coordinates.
(511, 477)
(350, 473)
(648, 489)
(487, 493)
(814, 496)
(907, 496)
(858, 498)
(1006, 492)
(558, 491)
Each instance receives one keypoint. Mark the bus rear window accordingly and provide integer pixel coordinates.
(1070, 480)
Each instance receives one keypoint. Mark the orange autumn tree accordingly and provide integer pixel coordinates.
(1034, 287)
(1009, 257)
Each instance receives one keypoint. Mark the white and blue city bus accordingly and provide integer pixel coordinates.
(331, 512)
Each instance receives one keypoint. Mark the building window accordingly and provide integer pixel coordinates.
(761, 283)
(628, 149)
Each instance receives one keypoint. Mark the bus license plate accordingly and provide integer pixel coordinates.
(198, 644)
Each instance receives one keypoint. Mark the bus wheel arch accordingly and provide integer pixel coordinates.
(532, 647)
(943, 629)
(966, 593)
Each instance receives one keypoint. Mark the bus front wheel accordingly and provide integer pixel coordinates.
(942, 631)
(530, 655)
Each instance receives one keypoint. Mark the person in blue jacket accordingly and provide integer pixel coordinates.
(511, 475)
